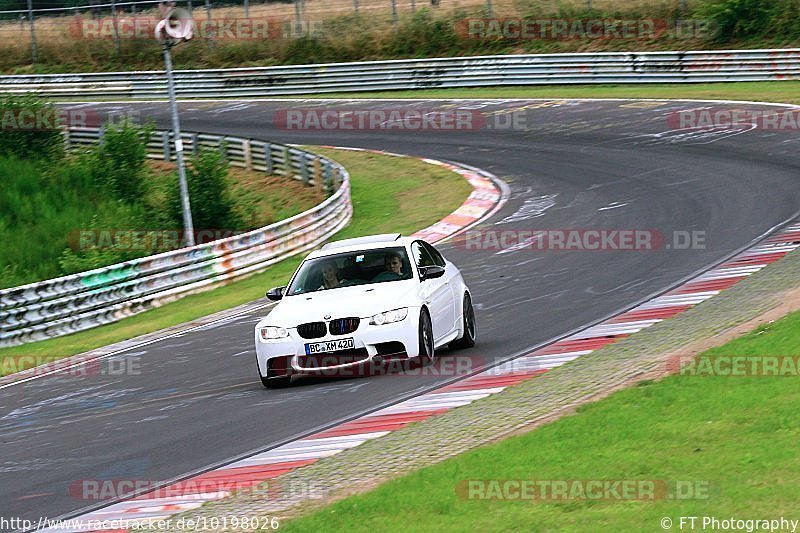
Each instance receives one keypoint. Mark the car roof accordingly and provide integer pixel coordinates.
(369, 242)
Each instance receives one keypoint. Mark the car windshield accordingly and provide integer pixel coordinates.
(351, 268)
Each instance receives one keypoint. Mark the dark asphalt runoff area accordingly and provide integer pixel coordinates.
(195, 400)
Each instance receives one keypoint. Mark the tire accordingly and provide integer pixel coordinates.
(467, 339)
(279, 382)
(425, 339)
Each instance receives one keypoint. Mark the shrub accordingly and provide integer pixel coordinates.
(29, 128)
(118, 163)
(209, 194)
(738, 18)
(423, 35)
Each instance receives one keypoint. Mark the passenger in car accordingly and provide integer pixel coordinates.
(330, 276)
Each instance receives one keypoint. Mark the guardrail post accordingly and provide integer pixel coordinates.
(318, 175)
(268, 163)
(248, 156)
(165, 145)
(304, 168)
(223, 148)
(101, 133)
(195, 144)
(287, 163)
(326, 168)
(67, 144)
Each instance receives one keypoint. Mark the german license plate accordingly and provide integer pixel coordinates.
(329, 346)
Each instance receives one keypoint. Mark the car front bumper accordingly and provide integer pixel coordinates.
(370, 341)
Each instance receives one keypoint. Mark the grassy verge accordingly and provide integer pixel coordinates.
(735, 435)
(767, 91)
(389, 195)
(55, 204)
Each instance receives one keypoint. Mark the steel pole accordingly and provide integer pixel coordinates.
(33, 32)
(188, 226)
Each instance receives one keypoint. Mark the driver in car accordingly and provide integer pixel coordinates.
(394, 268)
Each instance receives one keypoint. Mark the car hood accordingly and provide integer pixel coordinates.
(359, 301)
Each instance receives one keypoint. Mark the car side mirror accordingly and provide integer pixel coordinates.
(430, 272)
(275, 293)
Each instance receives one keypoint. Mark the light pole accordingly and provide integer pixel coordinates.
(174, 29)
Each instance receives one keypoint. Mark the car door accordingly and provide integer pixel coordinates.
(451, 276)
(437, 293)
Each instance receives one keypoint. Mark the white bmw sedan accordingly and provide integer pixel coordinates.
(364, 300)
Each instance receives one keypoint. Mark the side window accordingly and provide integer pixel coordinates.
(437, 257)
(421, 256)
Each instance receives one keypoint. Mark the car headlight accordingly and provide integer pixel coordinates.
(387, 317)
(272, 332)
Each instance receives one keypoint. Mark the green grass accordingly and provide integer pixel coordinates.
(769, 91)
(389, 195)
(51, 202)
(40, 210)
(740, 434)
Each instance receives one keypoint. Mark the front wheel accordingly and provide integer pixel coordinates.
(426, 349)
(467, 339)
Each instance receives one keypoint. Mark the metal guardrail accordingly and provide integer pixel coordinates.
(611, 67)
(81, 301)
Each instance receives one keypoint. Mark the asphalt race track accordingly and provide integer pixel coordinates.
(196, 400)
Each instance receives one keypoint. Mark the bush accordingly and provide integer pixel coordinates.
(118, 163)
(210, 194)
(737, 19)
(29, 128)
(423, 36)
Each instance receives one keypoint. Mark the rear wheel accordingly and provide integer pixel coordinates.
(467, 339)
(426, 349)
